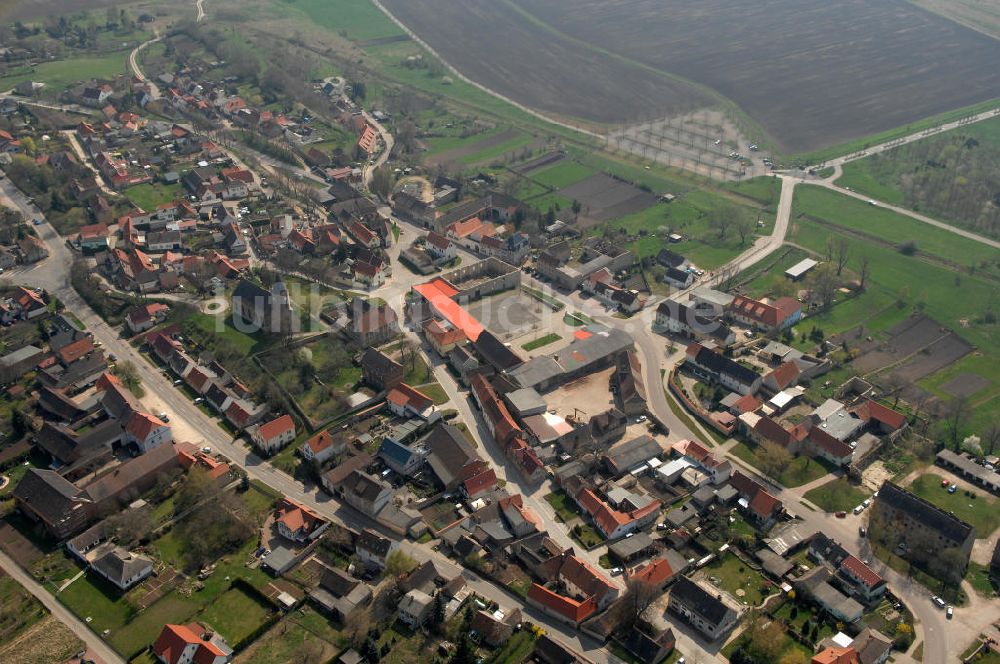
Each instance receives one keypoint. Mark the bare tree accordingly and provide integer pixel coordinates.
(638, 597)
(956, 411)
(743, 227)
(864, 267)
(990, 437)
(773, 458)
(721, 218)
(893, 386)
(823, 286)
(839, 251)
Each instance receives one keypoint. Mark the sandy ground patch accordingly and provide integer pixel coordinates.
(589, 395)
(875, 475)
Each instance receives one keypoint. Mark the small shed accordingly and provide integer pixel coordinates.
(800, 269)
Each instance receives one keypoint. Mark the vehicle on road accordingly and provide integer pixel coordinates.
(862, 531)
(164, 417)
(859, 509)
(36, 221)
(840, 515)
(938, 602)
(950, 611)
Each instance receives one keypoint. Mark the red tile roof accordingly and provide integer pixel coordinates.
(439, 293)
(403, 395)
(881, 414)
(277, 427)
(564, 606)
(320, 441)
(656, 573)
(140, 425)
(175, 638)
(747, 404)
(784, 375)
(860, 571)
(480, 483)
(444, 336)
(74, 351)
(764, 504)
(835, 655)
(296, 516)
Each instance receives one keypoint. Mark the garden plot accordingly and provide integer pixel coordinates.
(603, 198)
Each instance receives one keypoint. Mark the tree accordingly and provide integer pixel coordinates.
(765, 639)
(721, 218)
(794, 656)
(864, 267)
(956, 411)
(991, 436)
(743, 228)
(838, 250)
(823, 285)
(437, 614)
(128, 374)
(382, 181)
(773, 458)
(399, 563)
(638, 597)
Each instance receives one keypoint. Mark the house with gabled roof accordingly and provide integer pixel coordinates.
(146, 431)
(298, 522)
(191, 644)
(406, 401)
(701, 609)
(379, 370)
(271, 436)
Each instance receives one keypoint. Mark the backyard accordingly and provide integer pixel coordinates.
(801, 470)
(837, 495)
(732, 575)
(563, 505)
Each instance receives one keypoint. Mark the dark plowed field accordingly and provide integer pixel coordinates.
(813, 73)
(495, 46)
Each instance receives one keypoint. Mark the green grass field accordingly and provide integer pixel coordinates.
(837, 495)
(981, 512)
(765, 190)
(235, 614)
(541, 341)
(359, 20)
(504, 150)
(60, 74)
(438, 144)
(148, 196)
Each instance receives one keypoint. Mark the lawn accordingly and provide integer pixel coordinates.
(148, 196)
(801, 470)
(96, 602)
(981, 511)
(980, 579)
(586, 535)
(61, 74)
(731, 574)
(140, 632)
(766, 190)
(18, 609)
(562, 174)
(515, 650)
(504, 151)
(563, 505)
(837, 495)
(541, 341)
(439, 144)
(221, 326)
(283, 641)
(804, 613)
(435, 392)
(235, 614)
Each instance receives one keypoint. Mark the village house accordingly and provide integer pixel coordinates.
(145, 317)
(380, 371)
(191, 644)
(297, 522)
(272, 436)
(373, 549)
(778, 315)
(715, 367)
(701, 609)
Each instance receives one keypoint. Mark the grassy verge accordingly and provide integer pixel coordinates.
(541, 341)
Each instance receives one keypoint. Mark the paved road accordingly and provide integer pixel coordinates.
(200, 4)
(57, 609)
(388, 141)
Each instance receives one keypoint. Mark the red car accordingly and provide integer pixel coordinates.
(945, 482)
(841, 515)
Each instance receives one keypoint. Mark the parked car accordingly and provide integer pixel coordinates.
(938, 602)
(862, 531)
(859, 509)
(953, 488)
(950, 611)
(945, 483)
(840, 515)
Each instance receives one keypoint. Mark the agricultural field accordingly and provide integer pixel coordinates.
(982, 16)
(540, 69)
(642, 59)
(949, 176)
(61, 74)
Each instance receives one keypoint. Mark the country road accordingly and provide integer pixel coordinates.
(56, 608)
(133, 61)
